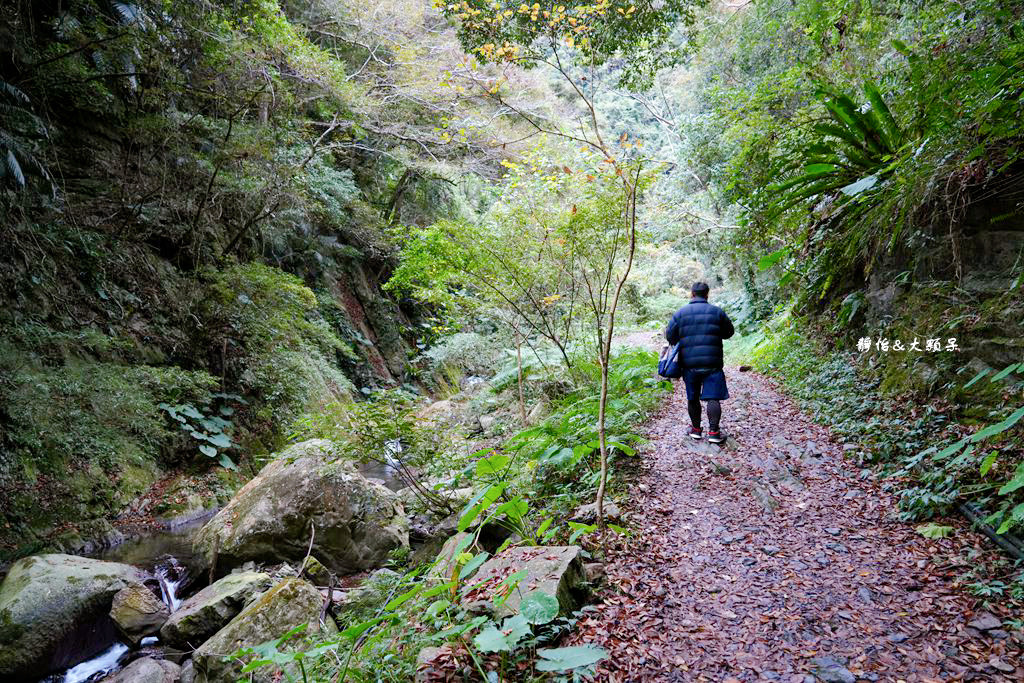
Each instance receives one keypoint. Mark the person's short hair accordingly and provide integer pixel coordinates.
(700, 289)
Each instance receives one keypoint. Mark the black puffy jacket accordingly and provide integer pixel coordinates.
(702, 327)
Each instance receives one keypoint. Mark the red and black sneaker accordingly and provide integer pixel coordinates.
(716, 437)
(695, 433)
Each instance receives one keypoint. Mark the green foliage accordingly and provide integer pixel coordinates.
(20, 126)
(853, 154)
(468, 352)
(210, 425)
(981, 466)
(526, 486)
(856, 182)
(636, 33)
(84, 436)
(277, 346)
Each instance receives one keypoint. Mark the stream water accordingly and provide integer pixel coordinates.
(167, 555)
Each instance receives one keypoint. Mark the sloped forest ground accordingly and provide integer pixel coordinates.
(773, 558)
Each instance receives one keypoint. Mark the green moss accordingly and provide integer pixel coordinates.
(83, 436)
(282, 351)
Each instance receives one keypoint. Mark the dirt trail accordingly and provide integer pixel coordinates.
(772, 560)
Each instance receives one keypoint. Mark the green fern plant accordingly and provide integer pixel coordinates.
(851, 154)
(17, 162)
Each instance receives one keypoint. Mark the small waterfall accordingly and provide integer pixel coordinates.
(171, 575)
(102, 664)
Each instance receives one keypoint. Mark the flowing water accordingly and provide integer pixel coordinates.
(172, 575)
(168, 556)
(102, 664)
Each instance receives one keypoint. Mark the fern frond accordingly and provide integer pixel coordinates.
(13, 93)
(129, 14)
(13, 168)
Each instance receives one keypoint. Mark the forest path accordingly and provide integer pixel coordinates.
(770, 559)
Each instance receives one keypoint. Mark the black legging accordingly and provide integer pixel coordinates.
(714, 413)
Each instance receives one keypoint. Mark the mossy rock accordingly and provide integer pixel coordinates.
(44, 601)
(357, 522)
(554, 570)
(137, 612)
(287, 605)
(147, 670)
(206, 612)
(316, 572)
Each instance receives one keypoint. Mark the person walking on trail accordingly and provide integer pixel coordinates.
(701, 327)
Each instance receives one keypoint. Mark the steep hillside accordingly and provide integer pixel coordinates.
(200, 205)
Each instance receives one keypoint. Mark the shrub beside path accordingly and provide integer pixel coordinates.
(773, 559)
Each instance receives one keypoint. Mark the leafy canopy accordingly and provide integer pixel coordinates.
(638, 33)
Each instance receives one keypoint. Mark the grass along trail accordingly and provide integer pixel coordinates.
(772, 560)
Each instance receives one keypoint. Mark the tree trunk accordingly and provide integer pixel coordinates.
(606, 346)
(519, 369)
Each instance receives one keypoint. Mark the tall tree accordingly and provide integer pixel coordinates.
(572, 39)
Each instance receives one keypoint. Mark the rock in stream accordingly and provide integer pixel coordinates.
(357, 522)
(53, 612)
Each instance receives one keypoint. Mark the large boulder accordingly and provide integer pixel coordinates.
(137, 612)
(288, 604)
(147, 670)
(555, 570)
(53, 612)
(357, 522)
(210, 609)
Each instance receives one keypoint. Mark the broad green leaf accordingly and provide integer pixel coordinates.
(1015, 483)
(437, 590)
(1004, 372)
(951, 449)
(769, 260)
(885, 119)
(190, 411)
(227, 462)
(220, 440)
(1015, 517)
(515, 509)
(932, 530)
(356, 630)
(405, 597)
(491, 640)
(622, 447)
(467, 570)
(437, 607)
(495, 464)
(981, 373)
(987, 463)
(538, 607)
(457, 629)
(208, 451)
(544, 526)
(862, 185)
(839, 132)
(811, 169)
(569, 658)
(515, 628)
(579, 529)
(999, 427)
(480, 502)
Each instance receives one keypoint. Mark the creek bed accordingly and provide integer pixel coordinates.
(167, 555)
